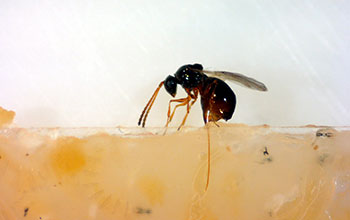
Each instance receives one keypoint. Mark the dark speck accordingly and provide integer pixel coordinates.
(325, 133)
(267, 157)
(323, 158)
(266, 152)
(26, 211)
(143, 211)
(270, 213)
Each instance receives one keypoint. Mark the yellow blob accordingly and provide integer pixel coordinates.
(6, 117)
(152, 188)
(68, 157)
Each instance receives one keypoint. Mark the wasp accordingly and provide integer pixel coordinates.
(217, 98)
(218, 101)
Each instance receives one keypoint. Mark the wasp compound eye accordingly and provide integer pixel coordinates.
(170, 85)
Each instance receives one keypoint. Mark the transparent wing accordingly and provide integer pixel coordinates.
(238, 78)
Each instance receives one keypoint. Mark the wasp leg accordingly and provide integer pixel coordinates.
(217, 125)
(194, 97)
(184, 101)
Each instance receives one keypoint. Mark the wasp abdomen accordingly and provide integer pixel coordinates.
(217, 99)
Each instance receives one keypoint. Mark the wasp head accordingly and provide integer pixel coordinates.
(170, 85)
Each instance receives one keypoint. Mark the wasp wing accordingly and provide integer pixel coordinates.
(239, 78)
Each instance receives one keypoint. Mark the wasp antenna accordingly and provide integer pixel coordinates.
(148, 107)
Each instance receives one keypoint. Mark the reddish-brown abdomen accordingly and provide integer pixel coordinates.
(217, 99)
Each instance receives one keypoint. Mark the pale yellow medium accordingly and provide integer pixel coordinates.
(45, 175)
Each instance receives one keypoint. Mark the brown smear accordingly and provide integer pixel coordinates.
(102, 175)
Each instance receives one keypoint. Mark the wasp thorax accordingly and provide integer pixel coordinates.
(189, 76)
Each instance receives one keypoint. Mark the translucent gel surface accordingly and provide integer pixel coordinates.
(115, 173)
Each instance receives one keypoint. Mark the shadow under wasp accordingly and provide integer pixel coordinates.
(217, 98)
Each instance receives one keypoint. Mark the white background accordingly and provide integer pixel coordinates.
(96, 63)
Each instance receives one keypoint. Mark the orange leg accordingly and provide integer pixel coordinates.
(169, 108)
(183, 121)
(184, 101)
(148, 107)
(195, 96)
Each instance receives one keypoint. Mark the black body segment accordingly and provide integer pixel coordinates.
(188, 77)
